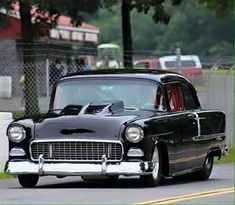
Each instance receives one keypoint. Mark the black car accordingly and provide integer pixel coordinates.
(108, 123)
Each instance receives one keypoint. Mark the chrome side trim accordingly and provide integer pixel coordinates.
(185, 112)
(198, 124)
(218, 137)
(210, 111)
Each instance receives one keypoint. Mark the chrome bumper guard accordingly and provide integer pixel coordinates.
(79, 169)
(225, 151)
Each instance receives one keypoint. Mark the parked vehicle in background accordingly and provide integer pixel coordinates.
(118, 122)
(109, 56)
(190, 65)
(147, 64)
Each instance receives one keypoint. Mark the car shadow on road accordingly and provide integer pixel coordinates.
(121, 183)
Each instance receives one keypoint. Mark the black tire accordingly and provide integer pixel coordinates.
(205, 172)
(28, 180)
(154, 178)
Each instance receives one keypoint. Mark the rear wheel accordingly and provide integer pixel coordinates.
(28, 180)
(154, 178)
(205, 172)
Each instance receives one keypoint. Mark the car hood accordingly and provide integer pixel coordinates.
(85, 126)
(98, 120)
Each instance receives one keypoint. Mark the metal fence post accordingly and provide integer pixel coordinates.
(229, 107)
(47, 82)
(178, 60)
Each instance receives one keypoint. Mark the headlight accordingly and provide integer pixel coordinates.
(134, 134)
(16, 133)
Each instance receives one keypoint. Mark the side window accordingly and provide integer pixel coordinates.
(160, 103)
(175, 97)
(189, 99)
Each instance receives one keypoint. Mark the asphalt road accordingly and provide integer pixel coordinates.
(72, 190)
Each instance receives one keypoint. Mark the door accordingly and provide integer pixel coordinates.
(210, 134)
(184, 125)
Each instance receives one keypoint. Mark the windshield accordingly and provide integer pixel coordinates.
(134, 93)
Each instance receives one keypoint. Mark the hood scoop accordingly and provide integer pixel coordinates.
(104, 107)
(71, 110)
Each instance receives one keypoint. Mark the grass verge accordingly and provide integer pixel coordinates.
(6, 176)
(219, 71)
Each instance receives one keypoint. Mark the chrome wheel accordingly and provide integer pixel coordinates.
(154, 178)
(155, 161)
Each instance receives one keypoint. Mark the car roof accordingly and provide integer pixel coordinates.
(183, 57)
(162, 76)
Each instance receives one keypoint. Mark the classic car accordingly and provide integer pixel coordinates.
(111, 123)
(190, 65)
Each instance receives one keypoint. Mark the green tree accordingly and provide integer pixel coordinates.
(30, 30)
(159, 14)
(192, 27)
(221, 7)
(142, 6)
(196, 30)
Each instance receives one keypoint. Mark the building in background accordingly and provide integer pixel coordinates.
(64, 40)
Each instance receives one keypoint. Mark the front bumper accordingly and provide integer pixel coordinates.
(78, 169)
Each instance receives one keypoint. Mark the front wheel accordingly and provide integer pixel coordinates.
(28, 180)
(153, 179)
(205, 172)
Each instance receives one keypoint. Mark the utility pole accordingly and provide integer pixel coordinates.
(178, 60)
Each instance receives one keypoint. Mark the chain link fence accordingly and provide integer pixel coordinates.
(216, 91)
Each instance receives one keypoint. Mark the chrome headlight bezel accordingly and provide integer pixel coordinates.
(134, 133)
(16, 133)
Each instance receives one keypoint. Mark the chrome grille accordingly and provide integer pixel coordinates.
(76, 150)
